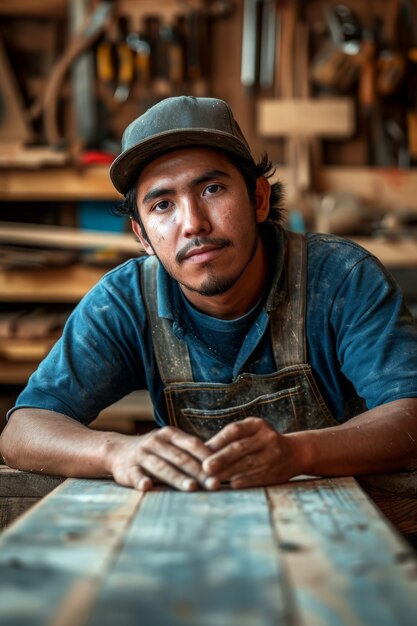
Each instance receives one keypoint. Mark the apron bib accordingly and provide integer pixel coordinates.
(288, 399)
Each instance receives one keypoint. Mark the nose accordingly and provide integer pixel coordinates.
(194, 217)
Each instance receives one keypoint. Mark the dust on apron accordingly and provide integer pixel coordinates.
(288, 399)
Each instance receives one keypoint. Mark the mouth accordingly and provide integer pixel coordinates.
(203, 254)
(196, 252)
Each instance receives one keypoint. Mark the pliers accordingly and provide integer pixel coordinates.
(115, 66)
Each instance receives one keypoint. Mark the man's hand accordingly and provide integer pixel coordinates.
(250, 453)
(166, 455)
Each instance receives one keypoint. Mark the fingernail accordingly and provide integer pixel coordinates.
(144, 484)
(211, 483)
(187, 483)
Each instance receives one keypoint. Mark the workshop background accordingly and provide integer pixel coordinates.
(328, 89)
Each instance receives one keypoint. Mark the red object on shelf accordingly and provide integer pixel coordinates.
(96, 157)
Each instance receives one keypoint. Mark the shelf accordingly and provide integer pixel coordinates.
(49, 284)
(25, 8)
(57, 184)
(67, 238)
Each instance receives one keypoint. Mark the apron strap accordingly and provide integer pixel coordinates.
(288, 319)
(171, 353)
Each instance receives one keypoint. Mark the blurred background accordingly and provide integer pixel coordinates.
(329, 90)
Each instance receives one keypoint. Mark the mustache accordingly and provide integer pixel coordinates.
(198, 242)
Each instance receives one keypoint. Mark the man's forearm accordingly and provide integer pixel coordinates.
(48, 442)
(383, 439)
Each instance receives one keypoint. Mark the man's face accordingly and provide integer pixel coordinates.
(198, 219)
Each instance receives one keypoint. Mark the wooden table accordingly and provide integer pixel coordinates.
(307, 553)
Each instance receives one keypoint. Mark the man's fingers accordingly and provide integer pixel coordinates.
(192, 445)
(238, 455)
(138, 480)
(235, 431)
(239, 441)
(162, 470)
(168, 456)
(260, 477)
(179, 459)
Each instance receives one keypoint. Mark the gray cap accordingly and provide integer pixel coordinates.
(175, 123)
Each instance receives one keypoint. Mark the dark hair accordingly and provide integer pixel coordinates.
(250, 171)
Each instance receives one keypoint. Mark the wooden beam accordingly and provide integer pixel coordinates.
(40, 8)
(309, 552)
(52, 284)
(345, 564)
(327, 117)
(57, 184)
(65, 565)
(17, 484)
(61, 237)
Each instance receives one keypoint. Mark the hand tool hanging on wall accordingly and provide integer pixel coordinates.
(249, 70)
(83, 78)
(335, 65)
(47, 105)
(390, 63)
(138, 43)
(259, 30)
(115, 64)
(268, 44)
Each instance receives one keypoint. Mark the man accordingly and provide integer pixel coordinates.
(267, 355)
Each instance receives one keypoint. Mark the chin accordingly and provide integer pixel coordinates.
(213, 286)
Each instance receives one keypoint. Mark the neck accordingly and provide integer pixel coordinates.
(241, 297)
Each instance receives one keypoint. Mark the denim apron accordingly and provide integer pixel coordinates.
(288, 399)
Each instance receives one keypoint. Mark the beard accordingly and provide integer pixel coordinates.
(213, 284)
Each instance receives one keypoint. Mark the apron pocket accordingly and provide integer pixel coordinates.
(277, 408)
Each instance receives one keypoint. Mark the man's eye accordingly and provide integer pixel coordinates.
(162, 206)
(212, 189)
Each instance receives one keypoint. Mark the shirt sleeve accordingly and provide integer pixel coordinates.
(99, 358)
(375, 334)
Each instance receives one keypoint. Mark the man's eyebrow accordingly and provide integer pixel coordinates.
(156, 192)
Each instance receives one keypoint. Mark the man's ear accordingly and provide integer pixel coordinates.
(262, 195)
(137, 229)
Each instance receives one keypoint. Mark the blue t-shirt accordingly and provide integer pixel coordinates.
(361, 340)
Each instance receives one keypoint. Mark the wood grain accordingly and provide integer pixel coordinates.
(346, 564)
(307, 553)
(53, 559)
(205, 558)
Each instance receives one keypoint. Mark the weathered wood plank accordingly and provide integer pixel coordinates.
(14, 483)
(347, 565)
(19, 491)
(53, 559)
(11, 508)
(396, 496)
(207, 559)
